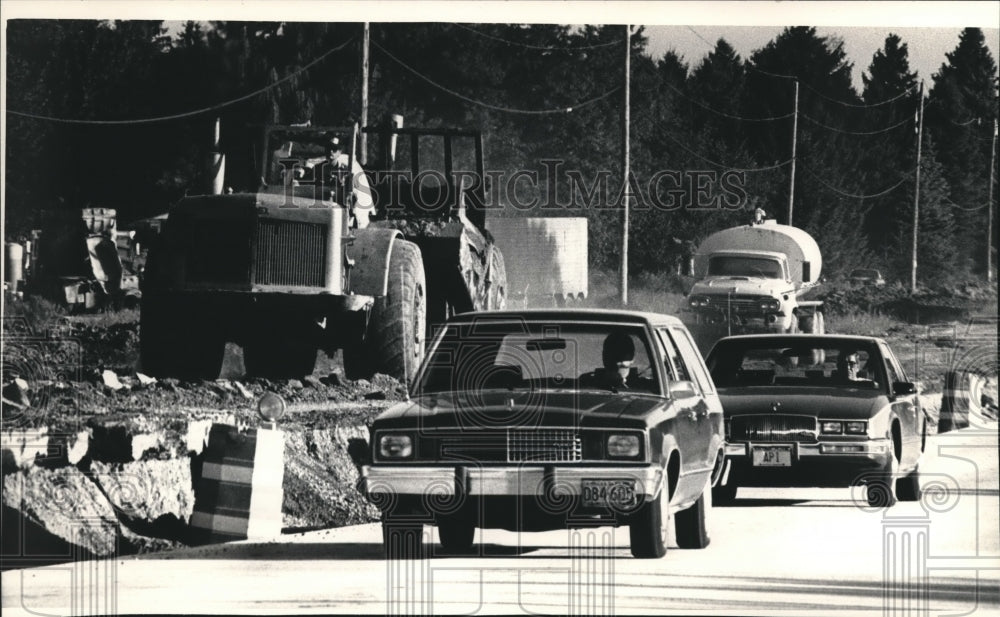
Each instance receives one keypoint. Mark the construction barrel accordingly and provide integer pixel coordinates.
(957, 401)
(238, 495)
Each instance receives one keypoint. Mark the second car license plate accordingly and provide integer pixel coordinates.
(608, 492)
(775, 456)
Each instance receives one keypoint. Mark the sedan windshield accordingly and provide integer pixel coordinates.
(836, 364)
(513, 354)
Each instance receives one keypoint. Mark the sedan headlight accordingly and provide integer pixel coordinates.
(855, 428)
(623, 446)
(395, 446)
(832, 428)
(698, 301)
(770, 305)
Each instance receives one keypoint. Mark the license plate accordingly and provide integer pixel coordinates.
(772, 457)
(608, 492)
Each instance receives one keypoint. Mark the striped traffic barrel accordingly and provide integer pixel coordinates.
(957, 401)
(239, 493)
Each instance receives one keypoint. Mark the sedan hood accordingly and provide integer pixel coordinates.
(820, 402)
(499, 408)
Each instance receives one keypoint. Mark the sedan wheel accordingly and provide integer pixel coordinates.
(724, 494)
(692, 532)
(456, 534)
(881, 490)
(908, 487)
(650, 527)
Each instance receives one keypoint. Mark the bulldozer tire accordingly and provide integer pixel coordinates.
(397, 327)
(176, 341)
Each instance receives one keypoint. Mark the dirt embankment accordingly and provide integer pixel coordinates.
(98, 460)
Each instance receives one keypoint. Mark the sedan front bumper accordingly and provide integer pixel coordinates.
(821, 464)
(524, 481)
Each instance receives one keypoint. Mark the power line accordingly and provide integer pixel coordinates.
(846, 104)
(564, 109)
(720, 165)
(187, 114)
(724, 114)
(855, 195)
(538, 47)
(860, 105)
(846, 132)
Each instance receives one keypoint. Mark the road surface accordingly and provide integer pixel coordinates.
(793, 552)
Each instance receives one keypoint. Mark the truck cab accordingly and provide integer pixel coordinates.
(757, 278)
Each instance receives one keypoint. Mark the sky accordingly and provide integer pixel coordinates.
(927, 46)
(930, 28)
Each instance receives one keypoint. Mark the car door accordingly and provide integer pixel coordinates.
(692, 426)
(906, 408)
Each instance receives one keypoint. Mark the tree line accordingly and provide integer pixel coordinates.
(120, 113)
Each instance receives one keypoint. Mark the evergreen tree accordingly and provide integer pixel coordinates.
(962, 105)
(890, 156)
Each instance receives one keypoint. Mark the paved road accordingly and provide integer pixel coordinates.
(793, 552)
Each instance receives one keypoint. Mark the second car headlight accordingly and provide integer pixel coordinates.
(832, 428)
(623, 446)
(395, 446)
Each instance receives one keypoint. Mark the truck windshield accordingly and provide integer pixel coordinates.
(730, 265)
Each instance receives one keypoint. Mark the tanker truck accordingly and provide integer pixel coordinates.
(758, 278)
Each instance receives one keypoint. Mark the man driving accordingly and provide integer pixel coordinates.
(849, 366)
(618, 372)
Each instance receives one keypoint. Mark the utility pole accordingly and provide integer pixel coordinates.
(626, 116)
(363, 147)
(795, 137)
(916, 192)
(989, 208)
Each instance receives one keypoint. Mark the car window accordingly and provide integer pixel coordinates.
(676, 367)
(535, 355)
(835, 364)
(682, 339)
(892, 365)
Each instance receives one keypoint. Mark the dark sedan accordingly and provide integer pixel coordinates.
(541, 420)
(818, 410)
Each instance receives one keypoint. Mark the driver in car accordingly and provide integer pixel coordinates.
(618, 372)
(849, 367)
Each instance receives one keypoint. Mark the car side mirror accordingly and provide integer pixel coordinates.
(681, 389)
(900, 388)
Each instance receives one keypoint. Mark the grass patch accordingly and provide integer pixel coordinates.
(860, 323)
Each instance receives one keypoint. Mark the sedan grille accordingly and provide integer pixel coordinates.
(289, 253)
(773, 428)
(512, 446)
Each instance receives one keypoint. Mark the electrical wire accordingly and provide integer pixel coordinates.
(724, 114)
(846, 132)
(861, 105)
(854, 195)
(538, 47)
(564, 109)
(720, 165)
(187, 114)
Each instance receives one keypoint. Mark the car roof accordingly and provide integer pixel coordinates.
(798, 338)
(576, 314)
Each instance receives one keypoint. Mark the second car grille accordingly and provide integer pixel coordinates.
(773, 428)
(289, 253)
(512, 446)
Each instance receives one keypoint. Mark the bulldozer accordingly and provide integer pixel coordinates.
(324, 255)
